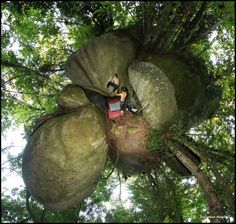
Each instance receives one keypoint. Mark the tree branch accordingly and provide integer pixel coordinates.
(11, 159)
(25, 104)
(43, 215)
(35, 93)
(204, 151)
(196, 20)
(28, 206)
(200, 34)
(119, 185)
(117, 157)
(12, 65)
(25, 220)
(7, 147)
(216, 208)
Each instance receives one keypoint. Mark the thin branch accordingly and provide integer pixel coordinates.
(79, 209)
(143, 31)
(21, 92)
(117, 157)
(43, 215)
(25, 220)
(120, 186)
(196, 20)
(9, 64)
(206, 149)
(207, 47)
(28, 206)
(12, 78)
(56, 69)
(11, 159)
(27, 46)
(7, 147)
(200, 34)
(25, 104)
(151, 182)
(224, 184)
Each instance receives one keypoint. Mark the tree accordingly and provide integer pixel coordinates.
(33, 75)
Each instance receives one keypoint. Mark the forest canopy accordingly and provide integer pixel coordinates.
(37, 38)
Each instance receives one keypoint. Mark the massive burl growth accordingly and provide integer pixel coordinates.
(65, 157)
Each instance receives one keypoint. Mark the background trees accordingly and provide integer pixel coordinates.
(37, 38)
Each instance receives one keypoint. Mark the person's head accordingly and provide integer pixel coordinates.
(124, 89)
(115, 75)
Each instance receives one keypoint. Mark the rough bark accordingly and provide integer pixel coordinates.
(216, 210)
(191, 25)
(205, 155)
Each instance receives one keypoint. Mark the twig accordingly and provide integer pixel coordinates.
(28, 206)
(42, 215)
(35, 93)
(14, 158)
(117, 157)
(7, 147)
(120, 186)
(24, 220)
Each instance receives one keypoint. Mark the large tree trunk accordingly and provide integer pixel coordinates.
(207, 155)
(216, 210)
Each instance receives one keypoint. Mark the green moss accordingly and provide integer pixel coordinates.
(187, 85)
(155, 141)
(132, 130)
(118, 130)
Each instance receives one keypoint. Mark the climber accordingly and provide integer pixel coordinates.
(114, 82)
(123, 94)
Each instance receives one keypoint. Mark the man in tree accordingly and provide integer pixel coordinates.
(123, 94)
(114, 82)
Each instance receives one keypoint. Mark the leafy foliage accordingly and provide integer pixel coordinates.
(155, 141)
(37, 38)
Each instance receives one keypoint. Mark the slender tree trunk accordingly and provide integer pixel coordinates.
(199, 34)
(191, 27)
(155, 34)
(216, 210)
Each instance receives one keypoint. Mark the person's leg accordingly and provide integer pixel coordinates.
(115, 87)
(109, 83)
(122, 105)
